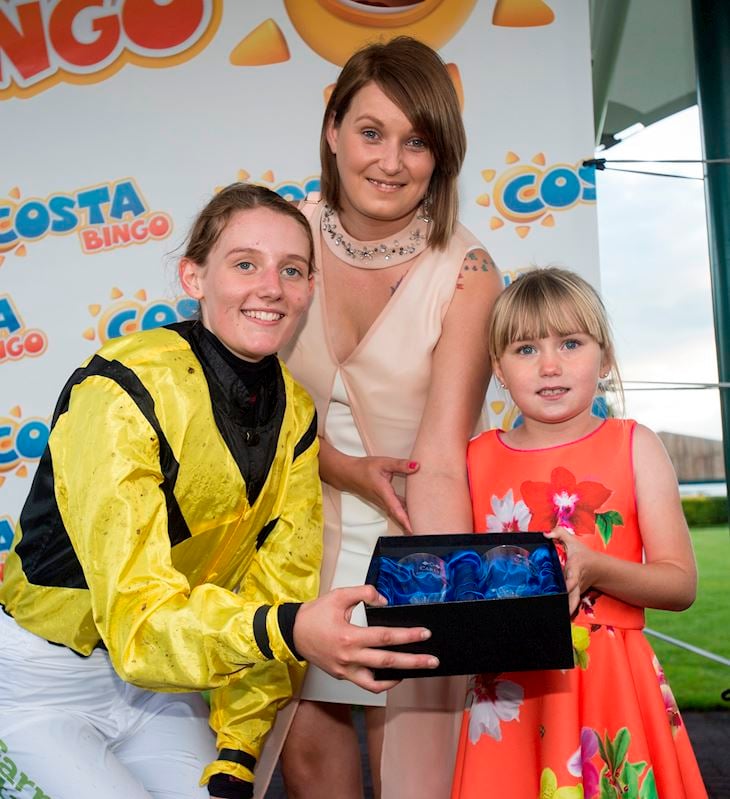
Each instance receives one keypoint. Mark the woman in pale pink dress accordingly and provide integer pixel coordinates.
(394, 353)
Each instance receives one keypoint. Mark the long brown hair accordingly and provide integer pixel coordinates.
(414, 77)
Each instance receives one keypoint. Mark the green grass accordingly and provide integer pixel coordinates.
(697, 683)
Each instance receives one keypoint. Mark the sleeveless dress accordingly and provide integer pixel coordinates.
(610, 726)
(372, 402)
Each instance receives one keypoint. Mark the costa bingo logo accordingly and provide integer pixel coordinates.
(105, 216)
(22, 441)
(125, 316)
(46, 42)
(525, 194)
(16, 340)
(291, 190)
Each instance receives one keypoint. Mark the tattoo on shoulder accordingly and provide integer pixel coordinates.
(477, 262)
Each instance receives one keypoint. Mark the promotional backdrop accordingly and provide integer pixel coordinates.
(119, 118)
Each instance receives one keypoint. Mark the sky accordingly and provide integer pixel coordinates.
(655, 277)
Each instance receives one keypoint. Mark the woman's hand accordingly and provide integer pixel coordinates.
(372, 480)
(578, 565)
(369, 477)
(324, 636)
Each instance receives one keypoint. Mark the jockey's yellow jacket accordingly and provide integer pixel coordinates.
(162, 528)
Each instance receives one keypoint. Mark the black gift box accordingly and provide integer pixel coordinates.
(477, 636)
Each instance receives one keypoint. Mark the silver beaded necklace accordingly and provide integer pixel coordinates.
(385, 253)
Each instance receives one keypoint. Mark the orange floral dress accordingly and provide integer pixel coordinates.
(609, 727)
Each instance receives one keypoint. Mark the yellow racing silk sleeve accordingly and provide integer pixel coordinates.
(161, 633)
(285, 569)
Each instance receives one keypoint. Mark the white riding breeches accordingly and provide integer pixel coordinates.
(70, 728)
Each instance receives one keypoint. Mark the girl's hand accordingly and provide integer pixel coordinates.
(578, 565)
(666, 577)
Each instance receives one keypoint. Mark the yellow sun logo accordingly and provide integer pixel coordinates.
(20, 440)
(125, 323)
(529, 193)
(125, 316)
(291, 190)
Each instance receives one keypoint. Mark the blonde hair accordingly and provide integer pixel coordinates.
(414, 77)
(551, 301)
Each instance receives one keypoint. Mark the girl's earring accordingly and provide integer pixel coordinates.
(502, 385)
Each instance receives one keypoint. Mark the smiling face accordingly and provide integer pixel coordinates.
(384, 165)
(255, 283)
(553, 380)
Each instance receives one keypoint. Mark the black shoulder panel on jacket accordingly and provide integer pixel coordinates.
(264, 532)
(45, 549)
(306, 441)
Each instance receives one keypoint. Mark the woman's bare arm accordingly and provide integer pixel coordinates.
(438, 493)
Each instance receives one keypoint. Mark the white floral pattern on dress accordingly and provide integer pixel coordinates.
(508, 516)
(494, 701)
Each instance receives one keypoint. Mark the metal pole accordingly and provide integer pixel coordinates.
(711, 23)
(689, 647)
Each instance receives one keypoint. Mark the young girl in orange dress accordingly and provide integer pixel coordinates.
(607, 492)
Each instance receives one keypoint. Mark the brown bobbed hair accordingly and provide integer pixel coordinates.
(212, 220)
(414, 77)
(552, 301)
